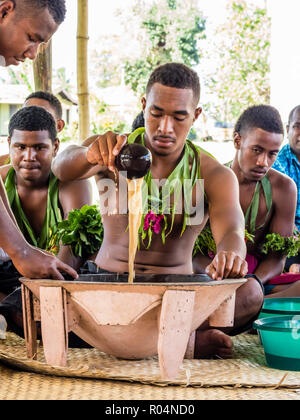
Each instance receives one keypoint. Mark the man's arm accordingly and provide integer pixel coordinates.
(226, 220)
(73, 195)
(29, 261)
(285, 201)
(3, 172)
(79, 162)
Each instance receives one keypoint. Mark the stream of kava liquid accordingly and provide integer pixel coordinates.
(135, 208)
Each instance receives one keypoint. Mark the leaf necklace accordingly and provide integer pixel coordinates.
(252, 211)
(156, 201)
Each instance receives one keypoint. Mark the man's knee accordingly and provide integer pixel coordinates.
(250, 297)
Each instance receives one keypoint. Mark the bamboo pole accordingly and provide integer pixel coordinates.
(42, 68)
(82, 70)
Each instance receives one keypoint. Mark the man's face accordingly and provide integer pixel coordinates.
(47, 106)
(169, 115)
(21, 37)
(31, 154)
(293, 131)
(258, 150)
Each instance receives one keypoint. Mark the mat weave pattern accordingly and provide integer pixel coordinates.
(246, 369)
(16, 385)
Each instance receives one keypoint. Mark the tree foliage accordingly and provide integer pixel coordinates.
(169, 31)
(21, 75)
(241, 50)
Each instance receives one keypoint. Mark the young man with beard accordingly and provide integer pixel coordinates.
(170, 108)
(267, 197)
(24, 25)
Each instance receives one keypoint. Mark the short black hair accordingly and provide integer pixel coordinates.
(33, 118)
(176, 75)
(57, 8)
(293, 112)
(138, 122)
(49, 97)
(264, 117)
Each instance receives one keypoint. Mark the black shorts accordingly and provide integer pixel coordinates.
(9, 277)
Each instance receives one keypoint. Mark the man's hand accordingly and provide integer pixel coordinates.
(105, 148)
(38, 264)
(227, 265)
(294, 268)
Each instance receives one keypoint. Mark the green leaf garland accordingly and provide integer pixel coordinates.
(288, 246)
(156, 198)
(82, 231)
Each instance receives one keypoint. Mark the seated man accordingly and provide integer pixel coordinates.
(51, 104)
(267, 197)
(24, 25)
(170, 108)
(288, 162)
(38, 200)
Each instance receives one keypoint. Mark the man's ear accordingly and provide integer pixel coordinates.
(144, 103)
(60, 124)
(56, 147)
(287, 129)
(237, 140)
(6, 8)
(197, 113)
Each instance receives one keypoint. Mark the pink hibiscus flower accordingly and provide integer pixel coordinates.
(153, 221)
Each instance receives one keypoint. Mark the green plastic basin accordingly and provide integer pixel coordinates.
(280, 307)
(280, 338)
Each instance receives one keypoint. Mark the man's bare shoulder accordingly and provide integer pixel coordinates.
(281, 182)
(217, 178)
(75, 194)
(4, 170)
(209, 166)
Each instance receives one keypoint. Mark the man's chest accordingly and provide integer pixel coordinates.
(34, 207)
(255, 207)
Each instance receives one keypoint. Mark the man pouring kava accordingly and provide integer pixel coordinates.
(167, 240)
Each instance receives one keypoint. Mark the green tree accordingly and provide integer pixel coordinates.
(169, 31)
(241, 50)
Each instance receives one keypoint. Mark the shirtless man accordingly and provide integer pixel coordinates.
(38, 200)
(24, 25)
(170, 108)
(258, 136)
(33, 144)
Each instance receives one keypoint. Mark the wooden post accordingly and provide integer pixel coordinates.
(42, 68)
(54, 325)
(30, 330)
(82, 70)
(224, 315)
(174, 330)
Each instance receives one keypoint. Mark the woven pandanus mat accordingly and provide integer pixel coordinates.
(17, 385)
(247, 368)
